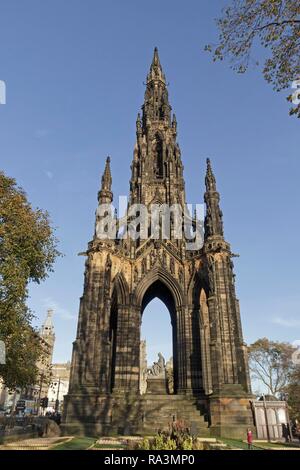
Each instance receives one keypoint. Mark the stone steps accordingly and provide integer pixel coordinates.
(161, 410)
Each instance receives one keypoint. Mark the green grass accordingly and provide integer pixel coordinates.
(239, 444)
(76, 443)
(274, 445)
(109, 446)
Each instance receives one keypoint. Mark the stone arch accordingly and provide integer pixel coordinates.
(159, 274)
(159, 284)
(197, 298)
(119, 298)
(120, 289)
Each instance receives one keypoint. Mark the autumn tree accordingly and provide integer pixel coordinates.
(292, 391)
(275, 24)
(271, 363)
(27, 254)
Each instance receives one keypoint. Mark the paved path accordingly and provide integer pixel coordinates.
(38, 443)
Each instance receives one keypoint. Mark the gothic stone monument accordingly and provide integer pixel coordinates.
(211, 387)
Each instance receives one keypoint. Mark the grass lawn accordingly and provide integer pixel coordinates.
(76, 443)
(109, 446)
(239, 444)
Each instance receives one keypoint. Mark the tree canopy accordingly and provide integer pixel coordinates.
(275, 24)
(27, 253)
(271, 363)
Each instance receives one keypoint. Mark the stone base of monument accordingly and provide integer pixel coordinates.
(134, 414)
(230, 412)
(130, 414)
(157, 385)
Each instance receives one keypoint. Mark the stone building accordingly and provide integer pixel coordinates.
(59, 385)
(44, 365)
(9, 398)
(211, 387)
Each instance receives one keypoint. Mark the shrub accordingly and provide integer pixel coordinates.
(178, 437)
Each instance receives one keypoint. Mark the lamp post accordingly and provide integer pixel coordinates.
(40, 391)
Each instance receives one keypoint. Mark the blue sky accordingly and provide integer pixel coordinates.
(74, 73)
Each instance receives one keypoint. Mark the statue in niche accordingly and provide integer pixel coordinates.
(172, 266)
(164, 259)
(152, 257)
(180, 276)
(158, 368)
(144, 265)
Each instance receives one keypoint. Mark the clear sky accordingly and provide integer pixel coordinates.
(74, 72)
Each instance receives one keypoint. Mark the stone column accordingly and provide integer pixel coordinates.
(127, 350)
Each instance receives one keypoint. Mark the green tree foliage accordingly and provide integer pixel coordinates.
(27, 254)
(293, 394)
(271, 363)
(275, 24)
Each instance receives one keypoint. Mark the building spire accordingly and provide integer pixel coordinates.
(156, 72)
(210, 180)
(213, 224)
(105, 194)
(47, 329)
(156, 103)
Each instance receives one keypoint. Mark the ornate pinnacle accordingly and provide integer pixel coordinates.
(106, 180)
(156, 72)
(138, 124)
(210, 180)
(105, 194)
(213, 223)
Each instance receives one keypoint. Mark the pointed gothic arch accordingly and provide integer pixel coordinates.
(121, 289)
(159, 289)
(162, 275)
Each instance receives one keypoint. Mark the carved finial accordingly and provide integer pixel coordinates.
(210, 180)
(106, 180)
(213, 223)
(156, 72)
(138, 124)
(174, 122)
(155, 60)
(105, 195)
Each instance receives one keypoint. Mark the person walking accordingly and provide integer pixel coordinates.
(249, 439)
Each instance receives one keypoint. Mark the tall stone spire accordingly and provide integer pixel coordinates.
(156, 72)
(156, 105)
(157, 170)
(105, 195)
(213, 224)
(124, 273)
(47, 329)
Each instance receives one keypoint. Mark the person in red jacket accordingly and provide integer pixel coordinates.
(249, 438)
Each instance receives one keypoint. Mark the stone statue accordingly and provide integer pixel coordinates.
(180, 276)
(172, 266)
(144, 265)
(152, 257)
(158, 368)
